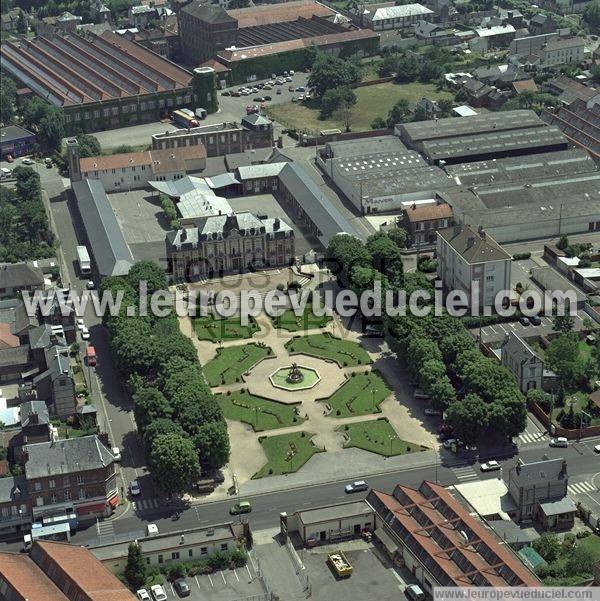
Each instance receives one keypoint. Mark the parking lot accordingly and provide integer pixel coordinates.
(226, 585)
(372, 577)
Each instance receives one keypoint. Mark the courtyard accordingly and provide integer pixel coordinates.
(291, 395)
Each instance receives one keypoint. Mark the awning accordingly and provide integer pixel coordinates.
(114, 501)
(386, 540)
(91, 508)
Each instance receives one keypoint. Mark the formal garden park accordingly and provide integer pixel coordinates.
(325, 346)
(214, 329)
(231, 362)
(306, 321)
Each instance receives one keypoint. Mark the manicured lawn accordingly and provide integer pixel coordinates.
(209, 328)
(286, 453)
(372, 101)
(591, 543)
(345, 352)
(379, 437)
(307, 321)
(260, 413)
(231, 362)
(360, 395)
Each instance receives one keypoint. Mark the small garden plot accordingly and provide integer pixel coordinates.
(325, 346)
(377, 436)
(360, 395)
(260, 413)
(307, 321)
(231, 362)
(209, 328)
(286, 453)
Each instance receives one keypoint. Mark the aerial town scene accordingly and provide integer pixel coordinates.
(299, 300)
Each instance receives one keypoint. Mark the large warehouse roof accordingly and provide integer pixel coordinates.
(279, 13)
(352, 148)
(110, 250)
(72, 69)
(475, 124)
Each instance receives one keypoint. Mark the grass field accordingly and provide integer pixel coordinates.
(345, 352)
(231, 362)
(286, 453)
(260, 413)
(360, 395)
(307, 321)
(209, 328)
(379, 437)
(372, 101)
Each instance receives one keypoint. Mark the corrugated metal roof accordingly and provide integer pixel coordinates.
(400, 12)
(111, 252)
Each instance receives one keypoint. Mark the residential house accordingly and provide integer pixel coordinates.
(422, 221)
(541, 24)
(431, 534)
(493, 36)
(18, 277)
(100, 13)
(388, 15)
(523, 362)
(75, 475)
(15, 514)
(56, 385)
(539, 489)
(474, 263)
(141, 15)
(9, 20)
(56, 571)
(562, 51)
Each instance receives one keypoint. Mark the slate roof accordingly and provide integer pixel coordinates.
(13, 488)
(20, 275)
(111, 252)
(472, 246)
(38, 407)
(66, 457)
(17, 356)
(58, 363)
(209, 13)
(536, 472)
(10, 133)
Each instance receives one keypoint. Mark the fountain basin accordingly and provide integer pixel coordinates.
(279, 378)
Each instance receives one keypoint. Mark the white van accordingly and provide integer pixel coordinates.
(414, 592)
(559, 441)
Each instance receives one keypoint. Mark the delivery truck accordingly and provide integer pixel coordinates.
(85, 265)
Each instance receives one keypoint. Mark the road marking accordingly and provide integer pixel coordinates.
(492, 328)
(248, 570)
(210, 579)
(578, 317)
(223, 576)
(196, 579)
(236, 576)
(580, 488)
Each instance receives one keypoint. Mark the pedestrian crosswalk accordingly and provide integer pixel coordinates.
(146, 504)
(303, 281)
(105, 529)
(527, 437)
(580, 488)
(465, 474)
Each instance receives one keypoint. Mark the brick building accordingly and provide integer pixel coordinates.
(422, 221)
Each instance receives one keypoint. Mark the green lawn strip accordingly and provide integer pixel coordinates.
(581, 400)
(378, 436)
(286, 453)
(259, 412)
(360, 395)
(231, 362)
(371, 101)
(209, 328)
(307, 321)
(325, 346)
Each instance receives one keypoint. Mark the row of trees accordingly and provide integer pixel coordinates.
(443, 358)
(401, 113)
(407, 67)
(181, 423)
(24, 231)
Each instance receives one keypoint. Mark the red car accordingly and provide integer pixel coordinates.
(9, 158)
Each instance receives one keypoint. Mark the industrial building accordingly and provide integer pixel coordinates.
(431, 534)
(104, 81)
(247, 40)
(480, 137)
(16, 141)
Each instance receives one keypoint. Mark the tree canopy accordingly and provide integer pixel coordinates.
(329, 71)
(174, 462)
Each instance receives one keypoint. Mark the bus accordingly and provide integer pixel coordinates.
(184, 119)
(85, 265)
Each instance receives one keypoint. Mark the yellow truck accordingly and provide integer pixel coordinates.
(340, 564)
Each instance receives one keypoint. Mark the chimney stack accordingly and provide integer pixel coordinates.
(183, 235)
(276, 224)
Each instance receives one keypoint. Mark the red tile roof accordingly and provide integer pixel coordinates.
(7, 339)
(416, 212)
(279, 13)
(454, 551)
(72, 566)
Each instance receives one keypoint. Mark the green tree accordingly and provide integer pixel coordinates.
(364, 278)
(173, 462)
(563, 323)
(387, 257)
(335, 99)
(345, 252)
(388, 65)
(378, 123)
(136, 567)
(548, 546)
(162, 425)
(133, 347)
(195, 412)
(212, 443)
(581, 561)
(151, 273)
(8, 99)
(88, 145)
(591, 14)
(399, 112)
(430, 71)
(595, 69)
(446, 106)
(408, 69)
(21, 23)
(469, 418)
(51, 129)
(564, 357)
(398, 235)
(420, 114)
(238, 4)
(150, 404)
(329, 71)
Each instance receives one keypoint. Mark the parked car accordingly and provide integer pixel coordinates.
(414, 592)
(151, 529)
(450, 442)
(90, 285)
(241, 507)
(559, 441)
(158, 592)
(48, 162)
(535, 320)
(288, 78)
(300, 89)
(278, 91)
(490, 466)
(85, 333)
(430, 411)
(301, 97)
(236, 94)
(182, 587)
(292, 73)
(116, 451)
(290, 88)
(267, 86)
(9, 158)
(524, 321)
(267, 98)
(143, 595)
(226, 93)
(79, 323)
(356, 486)
(27, 161)
(597, 448)
(258, 99)
(134, 488)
